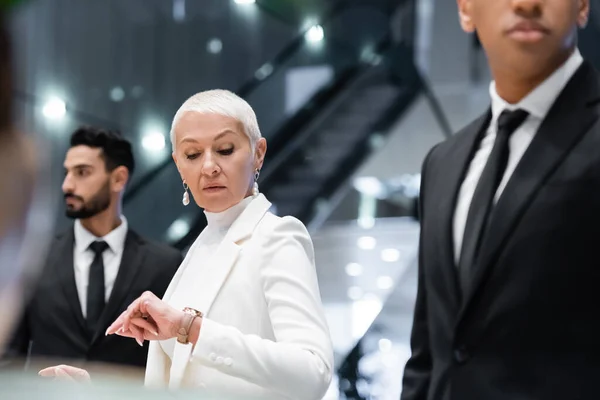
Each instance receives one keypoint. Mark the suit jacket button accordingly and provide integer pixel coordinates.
(461, 355)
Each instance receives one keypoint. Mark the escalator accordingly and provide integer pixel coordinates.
(336, 142)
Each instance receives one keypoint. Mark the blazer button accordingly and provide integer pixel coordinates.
(219, 360)
(461, 355)
(228, 362)
(212, 356)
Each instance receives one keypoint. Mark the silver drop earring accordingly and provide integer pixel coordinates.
(186, 194)
(255, 186)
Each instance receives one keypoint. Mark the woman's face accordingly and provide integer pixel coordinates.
(215, 158)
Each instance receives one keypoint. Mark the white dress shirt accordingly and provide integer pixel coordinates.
(537, 104)
(83, 257)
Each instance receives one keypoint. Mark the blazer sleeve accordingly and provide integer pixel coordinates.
(298, 364)
(417, 372)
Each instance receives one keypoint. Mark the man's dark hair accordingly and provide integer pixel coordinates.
(116, 150)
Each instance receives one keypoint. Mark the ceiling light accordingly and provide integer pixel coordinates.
(366, 222)
(315, 34)
(385, 345)
(385, 282)
(355, 293)
(390, 255)
(366, 242)
(354, 269)
(370, 186)
(178, 229)
(376, 141)
(179, 10)
(245, 1)
(153, 141)
(117, 94)
(55, 108)
(214, 46)
(264, 71)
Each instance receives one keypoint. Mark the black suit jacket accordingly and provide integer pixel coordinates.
(528, 327)
(53, 327)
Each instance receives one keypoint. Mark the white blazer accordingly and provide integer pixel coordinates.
(264, 334)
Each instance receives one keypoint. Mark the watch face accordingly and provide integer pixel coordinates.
(192, 311)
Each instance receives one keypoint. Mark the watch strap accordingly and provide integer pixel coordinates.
(186, 324)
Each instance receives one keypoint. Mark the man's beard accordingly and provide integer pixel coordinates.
(98, 203)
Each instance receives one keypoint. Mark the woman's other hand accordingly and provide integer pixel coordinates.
(66, 373)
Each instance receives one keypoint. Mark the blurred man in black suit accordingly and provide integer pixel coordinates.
(95, 269)
(509, 276)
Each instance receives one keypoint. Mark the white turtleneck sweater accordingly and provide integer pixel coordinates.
(205, 247)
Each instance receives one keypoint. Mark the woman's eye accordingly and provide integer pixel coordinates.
(192, 156)
(226, 152)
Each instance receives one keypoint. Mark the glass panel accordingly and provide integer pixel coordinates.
(358, 27)
(274, 100)
(130, 64)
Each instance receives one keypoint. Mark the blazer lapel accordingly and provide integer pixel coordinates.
(215, 274)
(567, 121)
(131, 262)
(63, 261)
(459, 154)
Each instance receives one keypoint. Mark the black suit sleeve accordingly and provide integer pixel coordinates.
(168, 267)
(417, 371)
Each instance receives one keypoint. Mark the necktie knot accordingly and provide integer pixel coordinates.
(509, 121)
(99, 247)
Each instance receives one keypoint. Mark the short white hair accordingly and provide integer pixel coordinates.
(222, 102)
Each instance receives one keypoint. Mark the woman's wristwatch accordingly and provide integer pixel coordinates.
(189, 315)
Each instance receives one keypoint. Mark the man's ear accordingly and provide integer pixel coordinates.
(584, 13)
(465, 15)
(119, 178)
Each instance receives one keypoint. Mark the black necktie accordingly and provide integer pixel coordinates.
(95, 292)
(483, 198)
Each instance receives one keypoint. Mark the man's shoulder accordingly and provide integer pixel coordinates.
(155, 248)
(465, 134)
(65, 234)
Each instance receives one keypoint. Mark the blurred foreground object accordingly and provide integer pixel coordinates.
(25, 212)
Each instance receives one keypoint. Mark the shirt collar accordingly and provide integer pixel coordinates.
(115, 238)
(539, 100)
